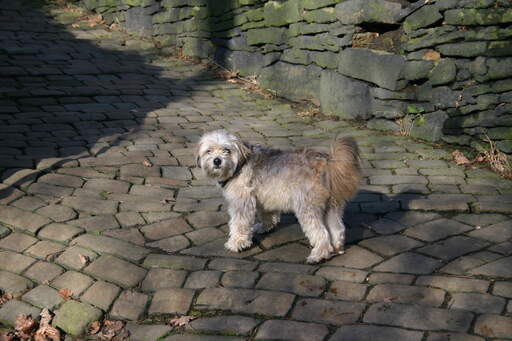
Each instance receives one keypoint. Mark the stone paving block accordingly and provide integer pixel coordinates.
(43, 297)
(29, 203)
(435, 205)
(239, 279)
(171, 301)
(107, 185)
(101, 294)
(71, 258)
(50, 190)
(406, 294)
(502, 288)
(140, 171)
(216, 248)
(325, 311)
(141, 204)
(452, 337)
(387, 226)
(141, 332)
(14, 262)
(496, 233)
(43, 272)
(478, 303)
(76, 282)
(453, 247)
(129, 219)
(412, 218)
(207, 219)
(294, 252)
(59, 232)
(165, 228)
(131, 235)
(332, 273)
(481, 219)
(499, 268)
(203, 279)
(418, 317)
(348, 291)
(454, 284)
(397, 179)
(200, 192)
(245, 301)
(229, 325)
(291, 330)
(90, 205)
(57, 213)
(375, 333)
(45, 249)
(356, 257)
(202, 236)
(22, 220)
(193, 337)
(177, 173)
(96, 223)
(383, 278)
(115, 270)
(171, 244)
(390, 245)
(302, 285)
(11, 309)
(437, 229)
(463, 264)
(287, 268)
(4, 231)
(227, 264)
(493, 326)
(73, 317)
(174, 262)
(130, 305)
(61, 180)
(163, 278)
(409, 262)
(283, 235)
(113, 246)
(13, 284)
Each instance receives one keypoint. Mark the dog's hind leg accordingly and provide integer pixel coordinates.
(336, 228)
(317, 233)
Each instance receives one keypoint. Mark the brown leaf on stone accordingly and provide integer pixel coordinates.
(181, 321)
(431, 55)
(460, 158)
(94, 327)
(24, 326)
(5, 297)
(46, 331)
(146, 163)
(65, 293)
(84, 259)
(111, 329)
(389, 299)
(486, 330)
(6, 336)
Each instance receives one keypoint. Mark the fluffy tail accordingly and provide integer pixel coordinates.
(343, 170)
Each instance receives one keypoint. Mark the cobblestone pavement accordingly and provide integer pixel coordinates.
(100, 195)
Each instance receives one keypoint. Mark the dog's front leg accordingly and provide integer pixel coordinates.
(242, 211)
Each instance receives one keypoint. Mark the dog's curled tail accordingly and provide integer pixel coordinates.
(343, 170)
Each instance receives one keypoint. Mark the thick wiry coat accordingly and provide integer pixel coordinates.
(263, 182)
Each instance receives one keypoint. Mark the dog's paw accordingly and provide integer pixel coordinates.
(316, 256)
(238, 244)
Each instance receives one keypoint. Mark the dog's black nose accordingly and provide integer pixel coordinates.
(217, 161)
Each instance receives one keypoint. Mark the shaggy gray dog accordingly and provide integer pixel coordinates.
(260, 182)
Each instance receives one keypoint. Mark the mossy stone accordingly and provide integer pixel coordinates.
(323, 15)
(73, 317)
(282, 13)
(444, 72)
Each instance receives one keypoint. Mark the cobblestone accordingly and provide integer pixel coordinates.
(99, 185)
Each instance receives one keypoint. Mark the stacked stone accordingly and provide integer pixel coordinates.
(443, 68)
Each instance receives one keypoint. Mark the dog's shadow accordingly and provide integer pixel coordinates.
(369, 214)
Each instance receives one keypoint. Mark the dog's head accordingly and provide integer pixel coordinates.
(219, 153)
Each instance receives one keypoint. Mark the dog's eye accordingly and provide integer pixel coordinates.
(227, 151)
(208, 151)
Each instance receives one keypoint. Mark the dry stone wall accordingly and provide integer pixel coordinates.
(441, 70)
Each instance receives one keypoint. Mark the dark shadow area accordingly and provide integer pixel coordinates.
(64, 98)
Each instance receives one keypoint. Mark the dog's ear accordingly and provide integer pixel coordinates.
(244, 149)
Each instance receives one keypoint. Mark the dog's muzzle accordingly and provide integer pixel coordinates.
(217, 162)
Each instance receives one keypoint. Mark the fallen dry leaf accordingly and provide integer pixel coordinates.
(113, 329)
(75, 25)
(181, 321)
(431, 55)
(84, 259)
(65, 293)
(5, 297)
(389, 299)
(146, 163)
(46, 331)
(460, 158)
(24, 326)
(6, 336)
(94, 327)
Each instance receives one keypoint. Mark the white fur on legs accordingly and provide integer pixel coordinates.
(242, 214)
(238, 242)
(336, 228)
(317, 234)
